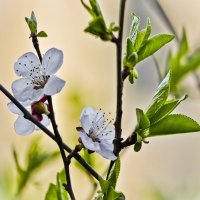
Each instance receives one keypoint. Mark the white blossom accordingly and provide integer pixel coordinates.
(23, 126)
(97, 133)
(37, 79)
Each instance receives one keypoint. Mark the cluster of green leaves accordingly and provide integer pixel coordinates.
(36, 157)
(158, 119)
(108, 186)
(57, 191)
(182, 63)
(97, 25)
(32, 24)
(139, 46)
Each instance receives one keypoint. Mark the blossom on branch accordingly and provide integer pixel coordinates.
(22, 125)
(97, 133)
(38, 78)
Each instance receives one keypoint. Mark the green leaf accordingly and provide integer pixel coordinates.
(95, 7)
(88, 8)
(62, 193)
(131, 77)
(159, 98)
(142, 36)
(174, 124)
(52, 192)
(31, 24)
(129, 47)
(153, 45)
(137, 146)
(104, 185)
(113, 27)
(98, 28)
(142, 119)
(42, 34)
(33, 18)
(166, 109)
(183, 47)
(134, 28)
(180, 69)
(113, 195)
(115, 173)
(57, 192)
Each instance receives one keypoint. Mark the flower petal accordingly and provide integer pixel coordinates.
(54, 85)
(22, 89)
(90, 116)
(45, 121)
(14, 109)
(23, 126)
(88, 143)
(106, 150)
(26, 63)
(52, 61)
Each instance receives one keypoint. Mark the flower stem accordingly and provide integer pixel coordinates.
(58, 138)
(36, 46)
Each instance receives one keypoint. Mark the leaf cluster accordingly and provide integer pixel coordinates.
(32, 24)
(158, 119)
(57, 191)
(97, 25)
(140, 45)
(108, 186)
(182, 63)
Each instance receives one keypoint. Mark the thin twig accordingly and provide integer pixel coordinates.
(118, 119)
(28, 116)
(58, 138)
(59, 141)
(118, 129)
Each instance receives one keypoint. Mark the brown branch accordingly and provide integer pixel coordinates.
(118, 129)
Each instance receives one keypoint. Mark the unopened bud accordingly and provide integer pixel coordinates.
(40, 108)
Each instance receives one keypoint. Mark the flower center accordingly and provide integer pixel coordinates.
(39, 81)
(99, 127)
(93, 136)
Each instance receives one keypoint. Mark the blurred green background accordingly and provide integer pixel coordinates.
(168, 167)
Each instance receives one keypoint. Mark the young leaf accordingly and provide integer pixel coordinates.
(174, 124)
(137, 146)
(33, 18)
(88, 8)
(129, 48)
(98, 28)
(142, 119)
(31, 24)
(61, 193)
(42, 34)
(57, 192)
(159, 98)
(142, 36)
(134, 28)
(183, 47)
(95, 7)
(166, 109)
(52, 192)
(115, 174)
(153, 45)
